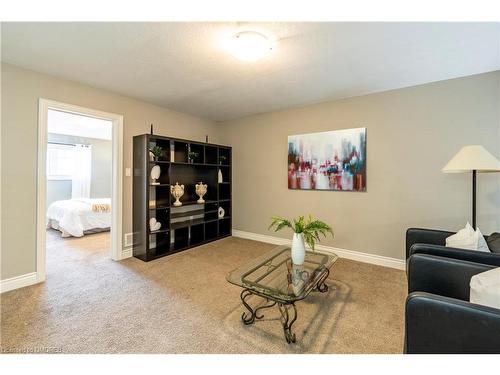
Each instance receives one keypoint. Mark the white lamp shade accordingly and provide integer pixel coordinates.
(474, 157)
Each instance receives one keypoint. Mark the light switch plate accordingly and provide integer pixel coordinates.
(128, 172)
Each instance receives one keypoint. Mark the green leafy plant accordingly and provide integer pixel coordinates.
(310, 228)
(157, 151)
(222, 159)
(192, 155)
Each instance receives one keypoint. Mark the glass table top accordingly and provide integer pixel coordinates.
(275, 276)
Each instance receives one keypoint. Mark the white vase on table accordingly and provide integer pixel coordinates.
(298, 249)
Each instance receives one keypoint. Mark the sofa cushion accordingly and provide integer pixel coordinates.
(493, 242)
(485, 288)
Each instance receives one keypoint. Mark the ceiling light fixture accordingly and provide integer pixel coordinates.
(250, 46)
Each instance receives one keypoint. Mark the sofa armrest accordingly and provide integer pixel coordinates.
(443, 276)
(436, 324)
(492, 259)
(428, 236)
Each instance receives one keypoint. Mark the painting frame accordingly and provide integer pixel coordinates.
(334, 160)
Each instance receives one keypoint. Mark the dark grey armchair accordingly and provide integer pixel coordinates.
(432, 242)
(439, 318)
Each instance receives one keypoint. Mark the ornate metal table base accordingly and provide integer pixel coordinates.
(253, 313)
(287, 323)
(321, 286)
(288, 310)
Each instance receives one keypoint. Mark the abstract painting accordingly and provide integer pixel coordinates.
(333, 160)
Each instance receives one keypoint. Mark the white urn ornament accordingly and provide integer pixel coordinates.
(177, 192)
(298, 249)
(201, 190)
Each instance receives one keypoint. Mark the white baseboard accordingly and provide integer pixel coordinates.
(342, 253)
(18, 282)
(126, 253)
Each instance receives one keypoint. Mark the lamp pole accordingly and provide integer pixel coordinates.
(473, 158)
(474, 199)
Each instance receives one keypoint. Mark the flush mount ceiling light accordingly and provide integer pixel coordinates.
(250, 46)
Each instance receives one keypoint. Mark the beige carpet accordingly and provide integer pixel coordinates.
(183, 304)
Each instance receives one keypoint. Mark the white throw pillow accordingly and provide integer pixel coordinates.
(469, 239)
(482, 245)
(485, 288)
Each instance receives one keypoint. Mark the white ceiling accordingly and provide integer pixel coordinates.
(184, 66)
(59, 122)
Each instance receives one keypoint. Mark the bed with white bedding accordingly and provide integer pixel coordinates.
(76, 217)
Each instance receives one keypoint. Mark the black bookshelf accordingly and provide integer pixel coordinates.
(191, 224)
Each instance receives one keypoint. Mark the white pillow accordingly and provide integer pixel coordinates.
(469, 239)
(485, 288)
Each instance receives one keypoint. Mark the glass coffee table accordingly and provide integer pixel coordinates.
(278, 281)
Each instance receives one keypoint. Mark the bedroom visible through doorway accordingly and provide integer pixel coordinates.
(79, 186)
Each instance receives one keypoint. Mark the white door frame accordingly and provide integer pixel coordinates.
(116, 185)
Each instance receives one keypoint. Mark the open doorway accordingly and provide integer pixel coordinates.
(79, 165)
(79, 185)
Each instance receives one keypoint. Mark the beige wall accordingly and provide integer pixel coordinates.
(411, 134)
(20, 92)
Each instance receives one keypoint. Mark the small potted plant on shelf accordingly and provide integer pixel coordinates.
(157, 152)
(192, 156)
(303, 230)
(222, 159)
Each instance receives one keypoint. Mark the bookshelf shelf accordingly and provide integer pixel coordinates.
(192, 224)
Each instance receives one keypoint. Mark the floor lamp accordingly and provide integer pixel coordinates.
(473, 159)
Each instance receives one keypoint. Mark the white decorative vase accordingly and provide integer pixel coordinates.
(298, 249)
(177, 192)
(220, 176)
(201, 190)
